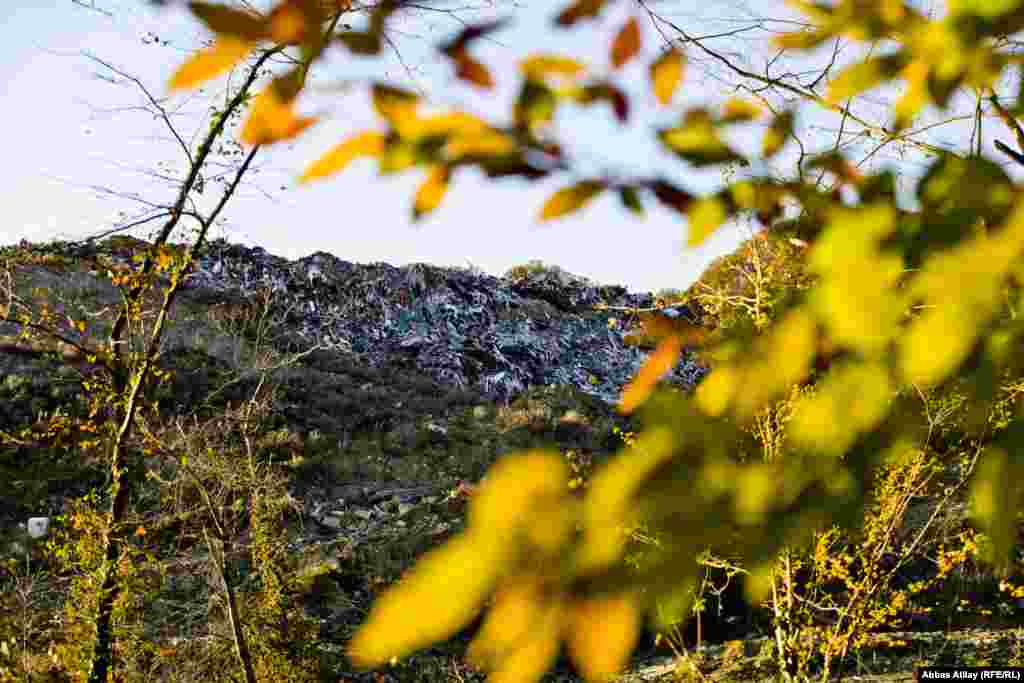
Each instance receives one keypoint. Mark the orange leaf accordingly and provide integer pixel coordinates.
(666, 74)
(581, 9)
(602, 634)
(431, 192)
(661, 360)
(369, 143)
(271, 120)
(225, 52)
(626, 44)
(287, 24)
(469, 69)
(226, 21)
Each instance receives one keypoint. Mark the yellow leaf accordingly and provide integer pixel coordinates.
(737, 109)
(394, 104)
(801, 40)
(452, 123)
(608, 502)
(915, 95)
(661, 360)
(717, 390)
(997, 489)
(863, 76)
(513, 487)
(758, 586)
(369, 143)
(517, 606)
(537, 652)
(489, 144)
(537, 67)
(936, 344)
(755, 486)
(431, 192)
(570, 199)
(602, 634)
(705, 215)
(626, 44)
(666, 74)
(852, 400)
(225, 52)
(449, 584)
(271, 120)
(397, 156)
(697, 140)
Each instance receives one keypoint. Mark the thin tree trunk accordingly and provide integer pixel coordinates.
(120, 489)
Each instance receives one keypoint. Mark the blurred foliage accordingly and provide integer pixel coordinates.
(840, 338)
(863, 299)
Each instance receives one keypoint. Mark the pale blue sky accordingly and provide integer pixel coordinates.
(67, 129)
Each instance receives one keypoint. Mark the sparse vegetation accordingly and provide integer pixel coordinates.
(847, 476)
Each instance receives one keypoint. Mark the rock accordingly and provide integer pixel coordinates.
(331, 521)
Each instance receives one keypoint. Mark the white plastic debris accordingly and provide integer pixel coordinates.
(38, 526)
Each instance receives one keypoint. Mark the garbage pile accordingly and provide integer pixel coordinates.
(466, 329)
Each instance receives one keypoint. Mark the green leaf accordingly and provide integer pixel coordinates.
(535, 106)
(630, 199)
(997, 492)
(988, 9)
(359, 43)
(778, 132)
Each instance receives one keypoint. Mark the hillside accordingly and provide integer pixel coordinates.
(381, 396)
